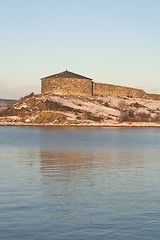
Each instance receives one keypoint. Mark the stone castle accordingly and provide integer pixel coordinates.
(69, 83)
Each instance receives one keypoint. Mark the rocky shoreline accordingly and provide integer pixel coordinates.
(119, 125)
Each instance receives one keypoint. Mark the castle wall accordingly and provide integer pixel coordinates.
(100, 89)
(154, 96)
(85, 87)
(67, 86)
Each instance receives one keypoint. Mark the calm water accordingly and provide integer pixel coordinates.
(79, 183)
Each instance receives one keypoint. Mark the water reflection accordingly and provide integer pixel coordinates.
(79, 185)
(68, 162)
(65, 163)
(69, 173)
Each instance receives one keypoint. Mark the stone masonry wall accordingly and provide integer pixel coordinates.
(105, 90)
(154, 96)
(85, 87)
(67, 86)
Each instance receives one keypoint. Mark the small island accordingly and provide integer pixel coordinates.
(69, 99)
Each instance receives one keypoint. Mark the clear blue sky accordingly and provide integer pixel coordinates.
(111, 41)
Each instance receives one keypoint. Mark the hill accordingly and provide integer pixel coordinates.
(5, 102)
(58, 110)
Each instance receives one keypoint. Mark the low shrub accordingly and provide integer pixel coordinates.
(92, 117)
(143, 116)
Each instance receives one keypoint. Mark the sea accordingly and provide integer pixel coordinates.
(79, 183)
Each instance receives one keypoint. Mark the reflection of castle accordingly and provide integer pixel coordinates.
(68, 161)
(69, 83)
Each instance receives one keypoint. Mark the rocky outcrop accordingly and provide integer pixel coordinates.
(60, 110)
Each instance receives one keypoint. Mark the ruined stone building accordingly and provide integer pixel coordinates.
(69, 83)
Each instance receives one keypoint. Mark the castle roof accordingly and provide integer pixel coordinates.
(67, 74)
